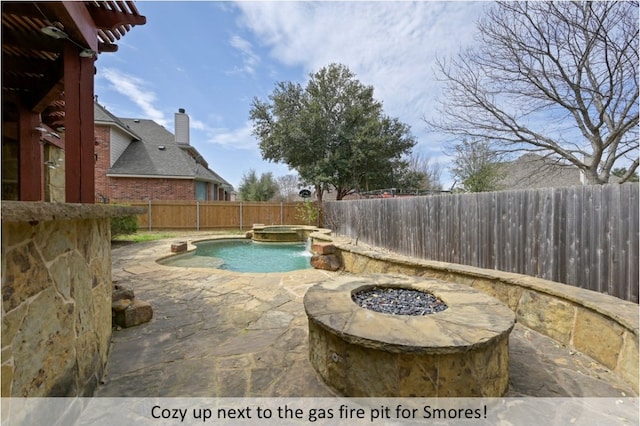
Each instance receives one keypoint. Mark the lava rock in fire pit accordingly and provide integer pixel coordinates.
(399, 301)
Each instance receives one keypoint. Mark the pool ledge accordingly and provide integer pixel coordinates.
(161, 253)
(191, 246)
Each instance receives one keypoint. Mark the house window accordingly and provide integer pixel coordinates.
(201, 191)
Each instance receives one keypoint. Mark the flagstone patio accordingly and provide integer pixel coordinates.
(216, 333)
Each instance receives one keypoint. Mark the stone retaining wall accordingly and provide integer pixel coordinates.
(56, 297)
(604, 327)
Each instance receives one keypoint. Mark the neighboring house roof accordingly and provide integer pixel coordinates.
(102, 116)
(153, 152)
(535, 171)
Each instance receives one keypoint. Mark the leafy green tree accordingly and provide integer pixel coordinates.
(476, 166)
(332, 132)
(254, 189)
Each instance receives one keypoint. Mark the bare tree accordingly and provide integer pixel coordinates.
(476, 166)
(332, 217)
(288, 187)
(431, 171)
(556, 78)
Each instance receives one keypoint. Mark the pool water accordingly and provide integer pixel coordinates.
(245, 256)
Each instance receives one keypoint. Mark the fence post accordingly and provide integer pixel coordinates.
(149, 215)
(197, 215)
(241, 215)
(281, 213)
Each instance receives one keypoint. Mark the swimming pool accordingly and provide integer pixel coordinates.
(244, 256)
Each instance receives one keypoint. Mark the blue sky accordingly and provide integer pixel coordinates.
(213, 58)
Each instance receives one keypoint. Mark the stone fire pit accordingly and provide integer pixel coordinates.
(460, 351)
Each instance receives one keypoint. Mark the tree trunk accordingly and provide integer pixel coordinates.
(319, 192)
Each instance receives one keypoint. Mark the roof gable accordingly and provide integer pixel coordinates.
(102, 116)
(156, 154)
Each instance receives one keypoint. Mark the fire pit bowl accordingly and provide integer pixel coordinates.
(460, 350)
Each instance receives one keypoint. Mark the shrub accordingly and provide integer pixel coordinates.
(124, 225)
(307, 212)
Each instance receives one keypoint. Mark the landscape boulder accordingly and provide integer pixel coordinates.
(126, 310)
(121, 292)
(327, 262)
(179, 247)
(323, 248)
(136, 313)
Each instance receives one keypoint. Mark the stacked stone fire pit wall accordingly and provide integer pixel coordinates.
(461, 351)
(604, 327)
(56, 297)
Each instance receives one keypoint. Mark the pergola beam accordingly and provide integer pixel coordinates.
(109, 19)
(76, 19)
(79, 128)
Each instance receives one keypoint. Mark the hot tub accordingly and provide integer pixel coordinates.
(283, 233)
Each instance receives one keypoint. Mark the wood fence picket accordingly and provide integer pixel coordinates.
(586, 236)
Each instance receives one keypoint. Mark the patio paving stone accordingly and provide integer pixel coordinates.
(224, 334)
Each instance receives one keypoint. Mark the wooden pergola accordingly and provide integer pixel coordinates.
(48, 65)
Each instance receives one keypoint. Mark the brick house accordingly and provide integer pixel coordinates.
(138, 159)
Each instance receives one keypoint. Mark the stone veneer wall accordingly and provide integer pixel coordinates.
(604, 327)
(54, 174)
(56, 297)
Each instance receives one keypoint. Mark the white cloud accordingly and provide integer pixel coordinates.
(390, 45)
(135, 90)
(249, 59)
(240, 138)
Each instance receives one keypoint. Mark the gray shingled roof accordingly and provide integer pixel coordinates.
(534, 171)
(157, 154)
(102, 116)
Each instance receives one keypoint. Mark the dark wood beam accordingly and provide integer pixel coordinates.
(34, 41)
(46, 97)
(79, 128)
(20, 8)
(87, 73)
(109, 19)
(50, 87)
(107, 47)
(31, 163)
(75, 18)
(51, 136)
(20, 64)
(35, 93)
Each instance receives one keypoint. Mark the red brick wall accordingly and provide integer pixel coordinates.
(122, 189)
(102, 150)
(113, 189)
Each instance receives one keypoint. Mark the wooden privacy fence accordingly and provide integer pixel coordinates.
(202, 215)
(585, 236)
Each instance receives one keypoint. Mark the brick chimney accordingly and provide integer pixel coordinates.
(182, 127)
